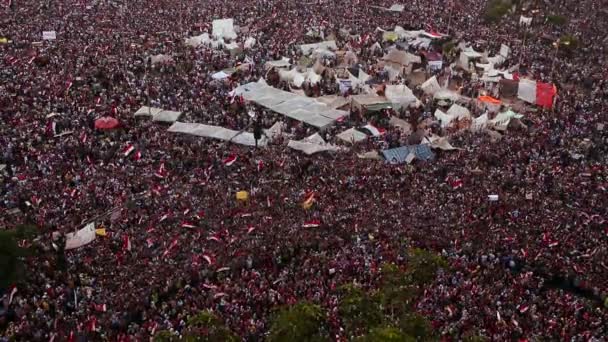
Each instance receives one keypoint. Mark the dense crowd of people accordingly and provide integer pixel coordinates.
(531, 265)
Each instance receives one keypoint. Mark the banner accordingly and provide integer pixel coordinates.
(545, 92)
(49, 35)
(80, 238)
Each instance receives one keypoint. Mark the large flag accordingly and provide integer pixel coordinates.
(230, 160)
(375, 131)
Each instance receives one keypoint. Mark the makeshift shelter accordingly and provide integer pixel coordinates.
(300, 108)
(400, 95)
(352, 136)
(308, 49)
(223, 28)
(370, 102)
(216, 132)
(311, 146)
(401, 57)
(158, 114)
(405, 154)
(431, 86)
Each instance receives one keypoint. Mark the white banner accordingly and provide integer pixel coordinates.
(80, 238)
(49, 35)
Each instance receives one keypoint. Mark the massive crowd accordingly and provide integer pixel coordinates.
(192, 246)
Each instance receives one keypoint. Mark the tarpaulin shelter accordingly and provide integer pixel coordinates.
(352, 136)
(431, 86)
(312, 146)
(400, 95)
(308, 49)
(300, 108)
(370, 102)
(223, 28)
(158, 114)
(216, 132)
(106, 123)
(400, 155)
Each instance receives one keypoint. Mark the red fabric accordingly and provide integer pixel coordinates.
(544, 94)
(106, 123)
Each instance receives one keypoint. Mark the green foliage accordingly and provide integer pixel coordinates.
(386, 334)
(470, 337)
(300, 322)
(496, 9)
(568, 43)
(396, 292)
(358, 310)
(11, 255)
(417, 326)
(204, 327)
(557, 19)
(423, 266)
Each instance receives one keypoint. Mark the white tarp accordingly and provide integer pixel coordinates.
(459, 112)
(526, 90)
(438, 142)
(479, 123)
(158, 114)
(216, 132)
(525, 21)
(156, 59)
(443, 118)
(402, 124)
(49, 35)
(397, 8)
(297, 107)
(220, 75)
(352, 136)
(504, 51)
(80, 238)
(249, 43)
(329, 45)
(400, 94)
(275, 131)
(311, 148)
(196, 41)
(401, 57)
(431, 86)
(445, 94)
(502, 120)
(281, 63)
(223, 28)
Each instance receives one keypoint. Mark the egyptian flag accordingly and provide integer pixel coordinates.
(250, 229)
(230, 160)
(162, 172)
(92, 324)
(455, 183)
(128, 150)
(171, 246)
(214, 238)
(260, 165)
(51, 128)
(375, 131)
(126, 243)
(311, 224)
(200, 215)
(187, 224)
(68, 86)
(137, 156)
(309, 199)
(208, 258)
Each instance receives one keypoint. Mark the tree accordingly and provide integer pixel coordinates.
(396, 292)
(300, 322)
(203, 327)
(417, 326)
(359, 311)
(496, 9)
(11, 254)
(423, 265)
(557, 19)
(386, 334)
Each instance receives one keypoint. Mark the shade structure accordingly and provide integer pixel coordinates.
(106, 123)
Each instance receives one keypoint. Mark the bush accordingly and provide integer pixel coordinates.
(557, 19)
(496, 9)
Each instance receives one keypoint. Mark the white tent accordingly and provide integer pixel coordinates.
(198, 40)
(311, 148)
(526, 90)
(249, 43)
(223, 28)
(308, 49)
(352, 136)
(400, 95)
(80, 238)
(459, 112)
(431, 86)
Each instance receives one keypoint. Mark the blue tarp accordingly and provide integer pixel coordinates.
(399, 155)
